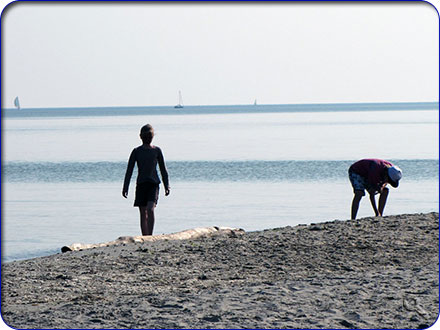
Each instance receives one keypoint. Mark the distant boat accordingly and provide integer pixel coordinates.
(17, 103)
(255, 102)
(180, 104)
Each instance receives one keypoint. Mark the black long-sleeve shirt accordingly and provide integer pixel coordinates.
(146, 159)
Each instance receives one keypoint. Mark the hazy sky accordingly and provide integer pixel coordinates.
(142, 54)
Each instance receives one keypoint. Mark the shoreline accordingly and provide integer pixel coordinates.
(367, 273)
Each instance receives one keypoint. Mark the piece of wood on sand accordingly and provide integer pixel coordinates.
(186, 234)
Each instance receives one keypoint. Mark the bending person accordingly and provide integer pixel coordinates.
(372, 175)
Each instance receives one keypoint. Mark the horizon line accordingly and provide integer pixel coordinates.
(227, 105)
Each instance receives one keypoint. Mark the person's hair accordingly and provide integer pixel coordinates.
(147, 133)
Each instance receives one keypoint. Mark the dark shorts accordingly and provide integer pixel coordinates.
(358, 182)
(146, 192)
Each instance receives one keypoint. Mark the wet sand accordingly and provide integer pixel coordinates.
(368, 273)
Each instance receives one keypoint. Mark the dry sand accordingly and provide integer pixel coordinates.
(368, 273)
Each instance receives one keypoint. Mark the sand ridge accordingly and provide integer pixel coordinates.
(367, 273)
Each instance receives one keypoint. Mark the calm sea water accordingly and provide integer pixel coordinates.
(242, 166)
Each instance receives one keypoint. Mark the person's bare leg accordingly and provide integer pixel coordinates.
(150, 217)
(383, 200)
(144, 220)
(355, 204)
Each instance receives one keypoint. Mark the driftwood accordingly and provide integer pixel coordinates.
(186, 234)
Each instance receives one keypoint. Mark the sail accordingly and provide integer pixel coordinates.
(17, 103)
(180, 104)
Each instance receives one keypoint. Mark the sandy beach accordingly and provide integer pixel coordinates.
(368, 273)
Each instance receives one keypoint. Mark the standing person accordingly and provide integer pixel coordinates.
(372, 175)
(146, 157)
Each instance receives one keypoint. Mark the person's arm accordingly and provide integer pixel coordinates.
(372, 193)
(383, 199)
(163, 172)
(129, 173)
(383, 191)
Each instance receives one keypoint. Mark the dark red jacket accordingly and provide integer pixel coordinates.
(373, 170)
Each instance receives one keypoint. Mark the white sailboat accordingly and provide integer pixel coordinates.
(255, 102)
(17, 103)
(180, 104)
